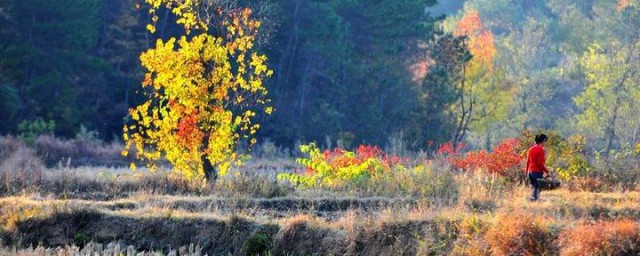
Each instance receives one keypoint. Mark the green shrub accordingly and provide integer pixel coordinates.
(258, 244)
(80, 239)
(31, 129)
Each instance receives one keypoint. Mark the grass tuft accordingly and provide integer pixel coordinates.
(618, 237)
(520, 234)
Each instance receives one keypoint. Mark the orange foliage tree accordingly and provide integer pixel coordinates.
(476, 74)
(203, 92)
(480, 38)
(622, 4)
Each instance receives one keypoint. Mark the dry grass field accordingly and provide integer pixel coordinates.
(482, 219)
(65, 210)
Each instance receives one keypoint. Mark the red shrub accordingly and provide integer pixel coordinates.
(503, 158)
(451, 154)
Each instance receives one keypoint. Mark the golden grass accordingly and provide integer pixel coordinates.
(485, 216)
(430, 210)
(618, 237)
(515, 227)
(516, 233)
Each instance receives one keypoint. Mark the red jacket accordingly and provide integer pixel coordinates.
(536, 160)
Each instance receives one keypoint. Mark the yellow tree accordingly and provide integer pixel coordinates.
(203, 92)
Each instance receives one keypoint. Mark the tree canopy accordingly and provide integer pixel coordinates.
(203, 93)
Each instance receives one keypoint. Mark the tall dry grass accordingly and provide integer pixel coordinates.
(80, 152)
(520, 234)
(432, 182)
(618, 237)
(20, 168)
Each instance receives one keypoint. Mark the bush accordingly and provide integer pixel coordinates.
(31, 129)
(85, 150)
(620, 237)
(258, 244)
(340, 167)
(8, 146)
(501, 160)
(369, 171)
(520, 234)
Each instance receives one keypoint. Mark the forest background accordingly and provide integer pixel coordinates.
(401, 74)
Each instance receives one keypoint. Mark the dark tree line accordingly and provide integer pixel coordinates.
(342, 69)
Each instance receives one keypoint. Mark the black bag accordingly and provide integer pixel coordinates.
(548, 183)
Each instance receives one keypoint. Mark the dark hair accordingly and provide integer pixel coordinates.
(541, 138)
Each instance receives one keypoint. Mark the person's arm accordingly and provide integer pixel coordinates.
(526, 167)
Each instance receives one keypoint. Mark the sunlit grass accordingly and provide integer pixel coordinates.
(437, 211)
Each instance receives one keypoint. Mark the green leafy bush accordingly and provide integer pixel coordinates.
(31, 129)
(258, 244)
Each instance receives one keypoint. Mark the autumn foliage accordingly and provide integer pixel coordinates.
(503, 158)
(622, 4)
(203, 93)
(338, 166)
(340, 158)
(481, 39)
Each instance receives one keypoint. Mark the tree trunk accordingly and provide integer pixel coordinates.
(467, 110)
(210, 173)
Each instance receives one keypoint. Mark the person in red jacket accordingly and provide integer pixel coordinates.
(536, 165)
